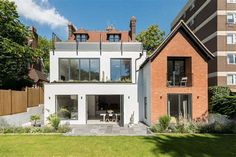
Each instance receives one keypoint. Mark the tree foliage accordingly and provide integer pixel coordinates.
(151, 38)
(15, 55)
(221, 101)
(42, 51)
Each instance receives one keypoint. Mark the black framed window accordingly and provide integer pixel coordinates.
(145, 107)
(79, 69)
(121, 70)
(114, 37)
(82, 37)
(180, 105)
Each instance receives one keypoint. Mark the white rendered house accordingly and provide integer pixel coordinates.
(94, 77)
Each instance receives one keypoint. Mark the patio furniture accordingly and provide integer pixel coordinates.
(183, 81)
(117, 114)
(103, 116)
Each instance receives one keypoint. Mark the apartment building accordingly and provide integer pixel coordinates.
(214, 23)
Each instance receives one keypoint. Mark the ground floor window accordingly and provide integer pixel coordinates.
(180, 106)
(67, 107)
(145, 107)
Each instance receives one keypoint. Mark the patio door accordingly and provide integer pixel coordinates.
(121, 110)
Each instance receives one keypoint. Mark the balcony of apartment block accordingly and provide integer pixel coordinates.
(179, 72)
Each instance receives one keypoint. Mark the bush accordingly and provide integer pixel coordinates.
(219, 128)
(164, 122)
(34, 119)
(221, 101)
(45, 129)
(54, 121)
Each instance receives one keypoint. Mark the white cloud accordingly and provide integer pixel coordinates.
(41, 12)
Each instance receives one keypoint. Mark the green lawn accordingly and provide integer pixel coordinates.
(175, 145)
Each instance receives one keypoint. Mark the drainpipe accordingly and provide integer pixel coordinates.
(140, 56)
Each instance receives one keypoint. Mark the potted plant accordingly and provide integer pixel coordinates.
(35, 120)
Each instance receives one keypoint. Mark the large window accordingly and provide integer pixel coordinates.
(121, 70)
(180, 106)
(82, 37)
(79, 69)
(114, 37)
(67, 107)
(231, 79)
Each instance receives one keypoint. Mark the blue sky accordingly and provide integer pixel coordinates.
(97, 14)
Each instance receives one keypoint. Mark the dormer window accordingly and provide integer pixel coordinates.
(81, 37)
(114, 37)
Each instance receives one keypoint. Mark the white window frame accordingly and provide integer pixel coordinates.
(192, 6)
(192, 22)
(231, 1)
(233, 81)
(233, 39)
(233, 17)
(234, 58)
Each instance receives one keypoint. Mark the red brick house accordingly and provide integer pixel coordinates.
(174, 80)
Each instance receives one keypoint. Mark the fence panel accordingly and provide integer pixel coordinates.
(41, 95)
(5, 102)
(33, 97)
(19, 101)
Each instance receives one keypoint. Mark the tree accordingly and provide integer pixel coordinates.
(151, 38)
(43, 49)
(15, 54)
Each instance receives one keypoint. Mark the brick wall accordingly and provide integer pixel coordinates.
(179, 46)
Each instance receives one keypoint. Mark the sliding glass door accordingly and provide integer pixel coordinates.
(180, 106)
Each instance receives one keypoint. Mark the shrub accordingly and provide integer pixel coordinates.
(221, 101)
(216, 127)
(64, 129)
(34, 119)
(54, 121)
(164, 122)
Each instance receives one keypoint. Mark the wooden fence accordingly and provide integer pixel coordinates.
(12, 102)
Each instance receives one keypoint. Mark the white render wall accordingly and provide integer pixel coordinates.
(144, 90)
(105, 58)
(129, 91)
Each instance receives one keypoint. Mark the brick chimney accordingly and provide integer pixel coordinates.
(33, 42)
(71, 30)
(133, 28)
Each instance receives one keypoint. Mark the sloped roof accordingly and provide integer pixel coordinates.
(37, 75)
(181, 26)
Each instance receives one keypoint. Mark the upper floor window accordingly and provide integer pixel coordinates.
(231, 58)
(121, 70)
(231, 1)
(231, 39)
(231, 79)
(82, 37)
(114, 37)
(231, 18)
(179, 72)
(79, 69)
(192, 6)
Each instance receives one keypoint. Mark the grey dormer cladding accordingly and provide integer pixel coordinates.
(95, 46)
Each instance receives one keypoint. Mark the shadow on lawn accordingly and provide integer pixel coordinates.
(177, 145)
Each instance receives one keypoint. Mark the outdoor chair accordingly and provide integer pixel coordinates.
(183, 81)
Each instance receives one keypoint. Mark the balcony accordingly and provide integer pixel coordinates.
(179, 80)
(179, 72)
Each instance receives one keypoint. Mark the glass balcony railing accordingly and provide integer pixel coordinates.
(179, 79)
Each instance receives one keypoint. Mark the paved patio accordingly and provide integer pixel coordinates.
(108, 130)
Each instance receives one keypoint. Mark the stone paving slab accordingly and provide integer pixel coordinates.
(108, 130)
